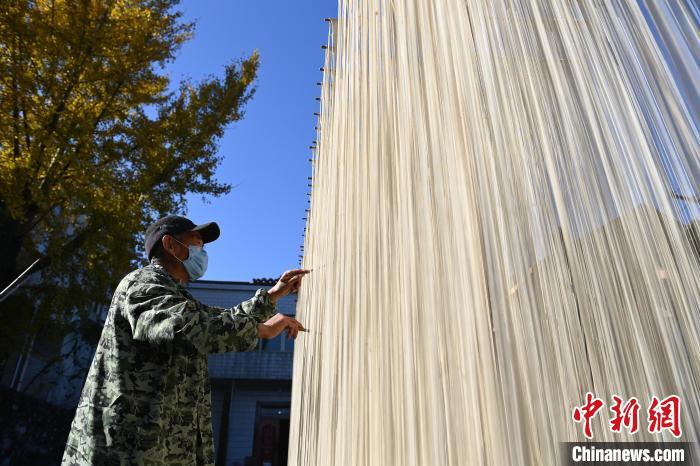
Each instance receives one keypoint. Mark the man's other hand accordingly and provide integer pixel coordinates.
(289, 282)
(277, 324)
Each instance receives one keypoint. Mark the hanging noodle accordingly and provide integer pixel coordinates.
(498, 225)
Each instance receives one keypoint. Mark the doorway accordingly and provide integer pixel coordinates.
(271, 438)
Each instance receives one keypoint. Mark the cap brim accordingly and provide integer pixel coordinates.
(209, 231)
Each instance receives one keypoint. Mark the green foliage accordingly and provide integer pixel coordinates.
(93, 147)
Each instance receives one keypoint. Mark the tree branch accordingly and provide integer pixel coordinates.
(51, 362)
(75, 78)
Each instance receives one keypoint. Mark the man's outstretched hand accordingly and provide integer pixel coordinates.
(289, 282)
(277, 324)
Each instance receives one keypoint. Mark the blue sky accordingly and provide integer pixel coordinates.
(265, 154)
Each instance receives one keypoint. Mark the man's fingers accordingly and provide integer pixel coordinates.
(286, 276)
(293, 326)
(294, 282)
(292, 275)
(296, 279)
(297, 323)
(278, 324)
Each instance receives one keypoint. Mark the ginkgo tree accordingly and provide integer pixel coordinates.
(94, 146)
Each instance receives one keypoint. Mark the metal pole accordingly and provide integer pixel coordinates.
(17, 281)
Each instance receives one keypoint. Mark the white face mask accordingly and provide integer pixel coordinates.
(197, 261)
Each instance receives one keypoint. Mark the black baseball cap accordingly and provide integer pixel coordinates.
(175, 224)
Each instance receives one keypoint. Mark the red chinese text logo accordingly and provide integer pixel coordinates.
(665, 414)
(586, 412)
(661, 414)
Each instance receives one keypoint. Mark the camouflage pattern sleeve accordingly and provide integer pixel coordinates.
(163, 313)
(259, 307)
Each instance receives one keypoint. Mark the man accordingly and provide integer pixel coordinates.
(147, 397)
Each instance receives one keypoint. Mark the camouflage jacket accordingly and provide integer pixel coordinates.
(147, 397)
